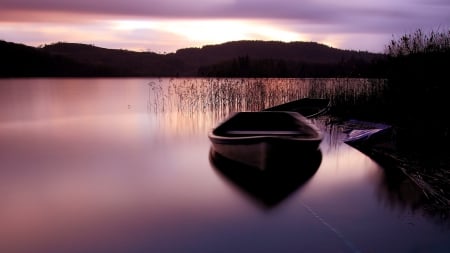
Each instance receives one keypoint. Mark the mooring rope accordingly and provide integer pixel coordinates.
(340, 235)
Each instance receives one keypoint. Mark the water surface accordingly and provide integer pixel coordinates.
(123, 165)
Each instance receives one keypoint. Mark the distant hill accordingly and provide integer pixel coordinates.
(295, 51)
(18, 60)
(239, 58)
(124, 62)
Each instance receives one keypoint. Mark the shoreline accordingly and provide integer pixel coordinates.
(426, 164)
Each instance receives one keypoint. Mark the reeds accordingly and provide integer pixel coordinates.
(191, 95)
(419, 42)
(206, 101)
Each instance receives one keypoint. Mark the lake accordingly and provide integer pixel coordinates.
(123, 165)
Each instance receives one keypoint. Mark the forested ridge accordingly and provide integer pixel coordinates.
(238, 58)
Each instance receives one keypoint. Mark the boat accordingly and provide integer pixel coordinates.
(308, 107)
(359, 135)
(363, 131)
(263, 139)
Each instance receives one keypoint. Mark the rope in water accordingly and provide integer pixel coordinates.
(339, 234)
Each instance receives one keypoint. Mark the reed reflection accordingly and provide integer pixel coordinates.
(271, 186)
(397, 191)
(393, 188)
(403, 184)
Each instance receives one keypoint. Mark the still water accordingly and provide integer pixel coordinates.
(123, 165)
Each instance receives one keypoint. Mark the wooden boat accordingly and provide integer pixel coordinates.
(262, 139)
(308, 107)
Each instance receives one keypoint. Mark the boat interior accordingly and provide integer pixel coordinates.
(265, 123)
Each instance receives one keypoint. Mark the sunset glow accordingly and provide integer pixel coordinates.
(214, 31)
(170, 25)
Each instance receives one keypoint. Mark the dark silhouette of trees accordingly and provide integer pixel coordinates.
(254, 67)
(232, 59)
(417, 69)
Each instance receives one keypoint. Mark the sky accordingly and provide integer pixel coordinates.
(163, 26)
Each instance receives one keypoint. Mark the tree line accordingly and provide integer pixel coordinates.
(247, 66)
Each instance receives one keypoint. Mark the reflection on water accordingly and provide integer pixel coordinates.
(271, 186)
(395, 189)
(123, 165)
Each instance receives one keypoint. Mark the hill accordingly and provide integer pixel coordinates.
(124, 62)
(257, 58)
(23, 61)
(311, 52)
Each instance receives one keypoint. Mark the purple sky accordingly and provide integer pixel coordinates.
(165, 26)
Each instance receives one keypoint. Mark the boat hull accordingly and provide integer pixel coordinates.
(265, 144)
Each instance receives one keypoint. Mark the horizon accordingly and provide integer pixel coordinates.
(199, 47)
(164, 27)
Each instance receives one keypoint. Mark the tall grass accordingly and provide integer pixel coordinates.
(418, 81)
(419, 42)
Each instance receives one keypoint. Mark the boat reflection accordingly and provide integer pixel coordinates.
(268, 187)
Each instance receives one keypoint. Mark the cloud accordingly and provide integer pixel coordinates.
(174, 24)
(350, 12)
(167, 8)
(322, 10)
